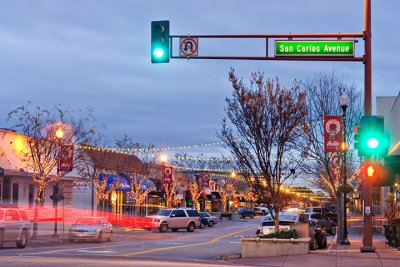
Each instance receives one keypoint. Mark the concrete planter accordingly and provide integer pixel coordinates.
(255, 247)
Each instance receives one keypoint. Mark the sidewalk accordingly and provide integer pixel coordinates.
(336, 255)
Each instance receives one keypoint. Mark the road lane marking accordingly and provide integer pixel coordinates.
(214, 240)
(77, 249)
(169, 243)
(96, 251)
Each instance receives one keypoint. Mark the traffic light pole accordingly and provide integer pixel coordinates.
(367, 184)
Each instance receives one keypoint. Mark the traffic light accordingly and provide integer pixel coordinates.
(371, 139)
(160, 41)
(374, 171)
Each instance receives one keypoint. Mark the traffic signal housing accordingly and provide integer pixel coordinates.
(160, 41)
(371, 139)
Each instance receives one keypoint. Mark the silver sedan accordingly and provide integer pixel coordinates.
(91, 228)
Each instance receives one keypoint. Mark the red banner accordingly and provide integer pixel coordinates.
(66, 160)
(167, 174)
(333, 133)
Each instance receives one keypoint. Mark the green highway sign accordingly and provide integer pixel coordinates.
(314, 48)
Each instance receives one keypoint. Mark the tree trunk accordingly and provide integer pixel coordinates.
(35, 226)
(276, 219)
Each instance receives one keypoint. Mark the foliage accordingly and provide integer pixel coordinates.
(265, 134)
(284, 234)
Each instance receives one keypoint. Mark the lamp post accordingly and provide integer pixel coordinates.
(344, 103)
(56, 194)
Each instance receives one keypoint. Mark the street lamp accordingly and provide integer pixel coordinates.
(344, 103)
(56, 195)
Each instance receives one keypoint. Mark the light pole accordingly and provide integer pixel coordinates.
(344, 103)
(56, 194)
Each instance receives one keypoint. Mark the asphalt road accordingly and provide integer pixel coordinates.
(134, 246)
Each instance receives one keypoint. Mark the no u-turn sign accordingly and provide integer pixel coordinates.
(189, 47)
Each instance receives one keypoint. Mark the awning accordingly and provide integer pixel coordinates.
(147, 183)
(215, 195)
(122, 184)
(156, 194)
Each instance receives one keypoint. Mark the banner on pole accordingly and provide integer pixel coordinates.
(333, 137)
(66, 158)
(167, 174)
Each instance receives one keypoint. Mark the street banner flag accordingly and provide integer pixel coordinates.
(167, 174)
(66, 158)
(333, 138)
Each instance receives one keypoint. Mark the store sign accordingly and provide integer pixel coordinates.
(314, 48)
(80, 188)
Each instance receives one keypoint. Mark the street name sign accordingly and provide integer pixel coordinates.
(314, 48)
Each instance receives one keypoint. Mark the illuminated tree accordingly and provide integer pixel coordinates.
(264, 134)
(227, 191)
(43, 147)
(170, 194)
(196, 191)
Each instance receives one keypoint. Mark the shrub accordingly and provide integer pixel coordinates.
(284, 234)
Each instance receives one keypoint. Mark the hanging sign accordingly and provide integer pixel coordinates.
(333, 133)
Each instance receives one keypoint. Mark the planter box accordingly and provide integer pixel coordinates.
(255, 247)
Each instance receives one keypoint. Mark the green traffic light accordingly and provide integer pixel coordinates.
(160, 41)
(372, 143)
(158, 53)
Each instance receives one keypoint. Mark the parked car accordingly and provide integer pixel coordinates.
(329, 212)
(91, 228)
(207, 219)
(14, 227)
(320, 235)
(246, 212)
(174, 219)
(261, 210)
(288, 221)
(325, 222)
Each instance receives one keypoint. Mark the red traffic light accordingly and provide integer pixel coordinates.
(371, 170)
(375, 172)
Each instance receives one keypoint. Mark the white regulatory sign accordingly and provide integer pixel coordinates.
(189, 47)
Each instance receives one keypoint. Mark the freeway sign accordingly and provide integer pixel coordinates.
(314, 48)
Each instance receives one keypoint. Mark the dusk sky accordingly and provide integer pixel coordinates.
(96, 55)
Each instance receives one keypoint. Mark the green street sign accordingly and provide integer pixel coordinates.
(314, 48)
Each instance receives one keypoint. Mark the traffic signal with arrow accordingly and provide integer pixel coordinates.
(160, 41)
